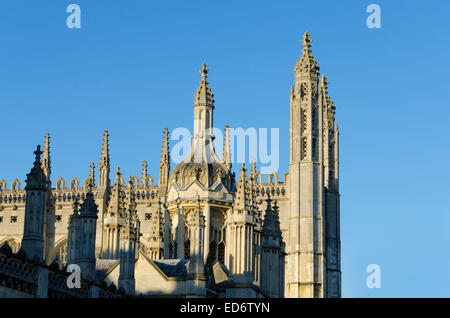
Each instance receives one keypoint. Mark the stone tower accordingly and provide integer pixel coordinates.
(35, 210)
(307, 242)
(202, 174)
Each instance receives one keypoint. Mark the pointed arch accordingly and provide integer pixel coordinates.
(3, 186)
(148, 181)
(13, 242)
(135, 181)
(15, 186)
(60, 184)
(271, 176)
(59, 252)
(258, 177)
(74, 184)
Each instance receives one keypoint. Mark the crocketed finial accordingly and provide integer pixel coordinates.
(204, 71)
(307, 42)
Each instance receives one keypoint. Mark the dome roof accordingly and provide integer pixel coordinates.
(206, 173)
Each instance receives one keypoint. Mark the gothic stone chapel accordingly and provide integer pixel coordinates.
(199, 232)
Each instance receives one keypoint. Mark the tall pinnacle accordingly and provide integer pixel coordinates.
(226, 155)
(104, 168)
(164, 163)
(90, 181)
(105, 146)
(144, 173)
(204, 96)
(46, 163)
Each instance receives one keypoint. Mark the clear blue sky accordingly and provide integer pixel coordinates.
(133, 68)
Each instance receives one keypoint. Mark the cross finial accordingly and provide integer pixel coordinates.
(38, 154)
(204, 71)
(306, 42)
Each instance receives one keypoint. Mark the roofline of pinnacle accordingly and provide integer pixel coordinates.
(203, 95)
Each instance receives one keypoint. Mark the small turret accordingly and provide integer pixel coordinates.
(35, 210)
(82, 231)
(272, 256)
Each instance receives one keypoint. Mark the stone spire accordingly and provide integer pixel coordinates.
(271, 226)
(164, 163)
(117, 204)
(129, 240)
(91, 178)
(241, 221)
(35, 209)
(113, 219)
(104, 168)
(46, 162)
(243, 198)
(226, 155)
(144, 174)
(307, 63)
(272, 256)
(204, 96)
(202, 150)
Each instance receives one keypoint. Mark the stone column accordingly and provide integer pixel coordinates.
(207, 214)
(41, 282)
